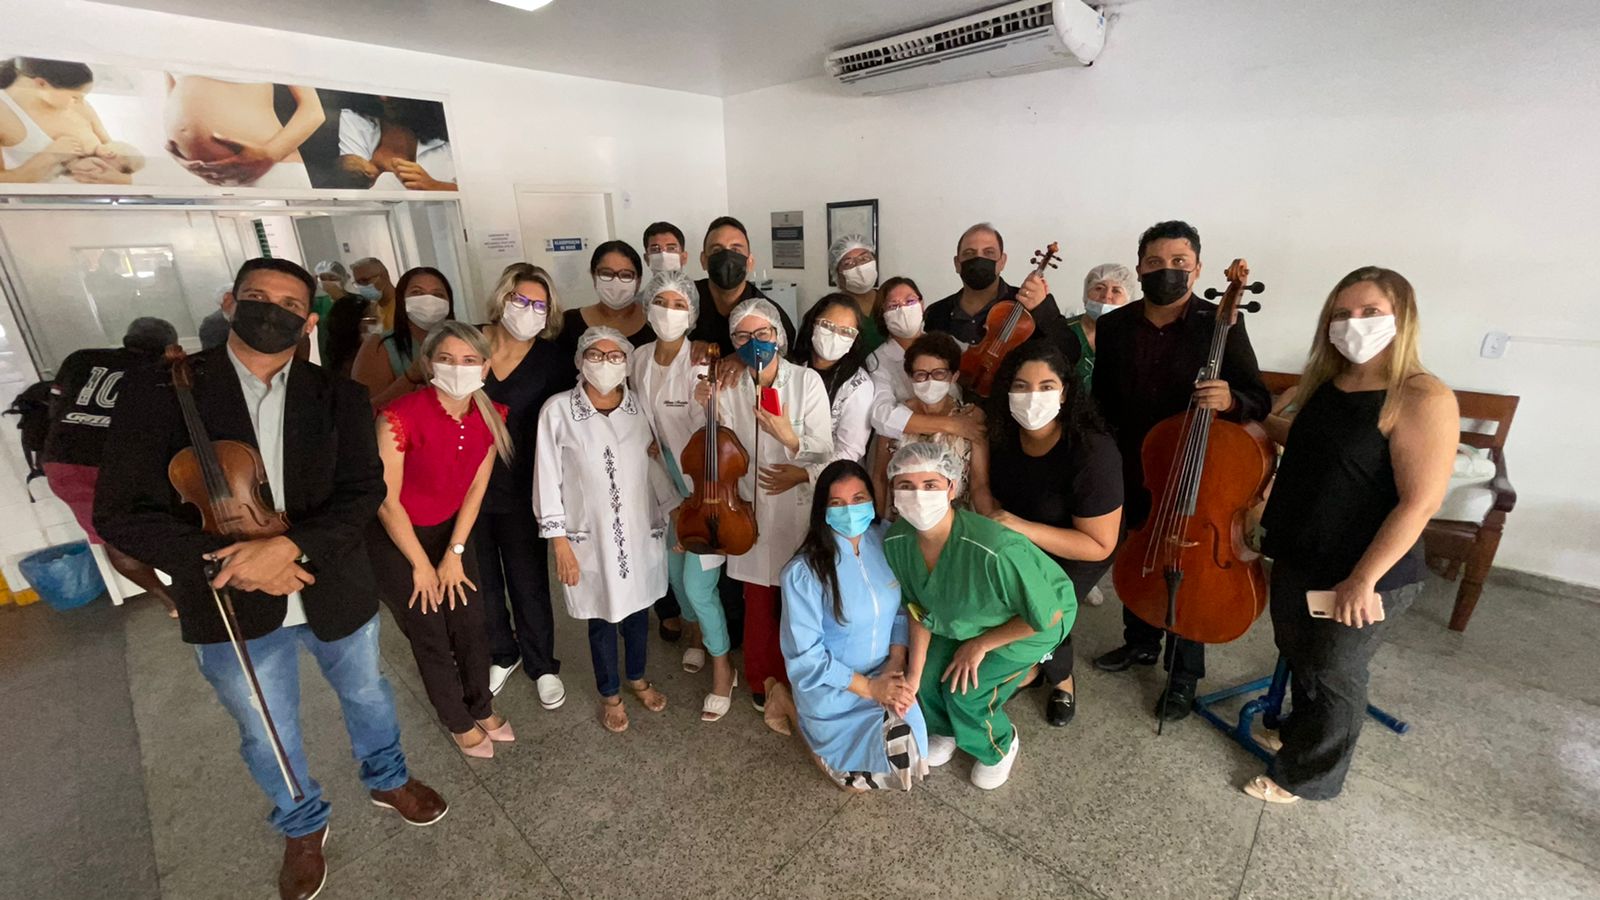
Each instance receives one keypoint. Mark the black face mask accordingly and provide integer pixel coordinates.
(978, 272)
(1164, 287)
(726, 268)
(267, 327)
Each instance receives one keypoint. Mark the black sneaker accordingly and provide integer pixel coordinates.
(759, 701)
(1175, 706)
(1060, 708)
(1125, 657)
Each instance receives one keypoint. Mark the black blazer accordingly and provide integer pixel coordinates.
(333, 486)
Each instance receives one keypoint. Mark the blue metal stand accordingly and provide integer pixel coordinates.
(1269, 707)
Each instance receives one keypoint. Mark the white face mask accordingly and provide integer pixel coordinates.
(523, 323)
(1035, 409)
(457, 381)
(664, 262)
(426, 310)
(930, 391)
(923, 509)
(830, 347)
(1095, 309)
(1361, 339)
(860, 279)
(604, 376)
(905, 322)
(615, 293)
(669, 324)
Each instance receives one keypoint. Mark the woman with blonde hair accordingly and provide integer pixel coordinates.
(1367, 454)
(438, 448)
(526, 367)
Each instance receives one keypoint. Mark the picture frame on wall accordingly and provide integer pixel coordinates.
(853, 217)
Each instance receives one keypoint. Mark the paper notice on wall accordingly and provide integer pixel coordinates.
(501, 245)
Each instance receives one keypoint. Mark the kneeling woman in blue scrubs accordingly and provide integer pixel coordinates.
(843, 635)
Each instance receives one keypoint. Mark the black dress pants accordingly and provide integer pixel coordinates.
(514, 565)
(1185, 658)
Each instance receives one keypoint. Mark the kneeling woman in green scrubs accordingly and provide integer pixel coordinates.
(986, 605)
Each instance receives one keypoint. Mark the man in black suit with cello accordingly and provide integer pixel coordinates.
(1148, 353)
(310, 587)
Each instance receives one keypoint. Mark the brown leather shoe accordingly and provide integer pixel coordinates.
(304, 870)
(414, 801)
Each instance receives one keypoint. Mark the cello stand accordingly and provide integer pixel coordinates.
(1270, 707)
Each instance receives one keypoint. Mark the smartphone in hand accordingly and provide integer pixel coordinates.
(770, 402)
(1320, 604)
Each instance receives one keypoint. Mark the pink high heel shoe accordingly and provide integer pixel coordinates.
(503, 734)
(483, 749)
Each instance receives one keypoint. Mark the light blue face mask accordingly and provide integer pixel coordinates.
(851, 521)
(369, 292)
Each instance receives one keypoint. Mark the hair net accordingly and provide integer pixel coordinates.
(678, 282)
(1114, 272)
(761, 308)
(926, 456)
(150, 335)
(843, 244)
(332, 266)
(594, 334)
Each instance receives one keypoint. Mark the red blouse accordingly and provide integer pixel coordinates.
(442, 454)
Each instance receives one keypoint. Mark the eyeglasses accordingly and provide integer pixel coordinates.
(899, 304)
(921, 377)
(663, 248)
(844, 331)
(522, 302)
(768, 334)
(623, 275)
(613, 356)
(860, 259)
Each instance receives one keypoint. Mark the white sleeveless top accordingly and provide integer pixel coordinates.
(33, 141)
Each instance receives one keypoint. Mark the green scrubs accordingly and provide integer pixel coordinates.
(870, 337)
(986, 575)
(1085, 367)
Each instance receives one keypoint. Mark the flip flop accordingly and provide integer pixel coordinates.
(1263, 788)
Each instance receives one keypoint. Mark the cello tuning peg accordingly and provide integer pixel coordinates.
(1212, 293)
(1253, 306)
(1256, 288)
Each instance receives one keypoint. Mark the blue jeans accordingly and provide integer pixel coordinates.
(350, 665)
(603, 649)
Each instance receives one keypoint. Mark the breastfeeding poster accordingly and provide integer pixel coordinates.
(65, 122)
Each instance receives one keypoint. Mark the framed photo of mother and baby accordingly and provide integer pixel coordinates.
(67, 122)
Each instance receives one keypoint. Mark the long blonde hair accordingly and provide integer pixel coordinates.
(450, 328)
(1325, 361)
(507, 285)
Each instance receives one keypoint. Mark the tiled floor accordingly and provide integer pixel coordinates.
(1494, 793)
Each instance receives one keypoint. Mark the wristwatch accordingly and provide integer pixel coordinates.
(458, 549)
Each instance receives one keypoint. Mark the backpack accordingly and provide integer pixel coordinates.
(32, 409)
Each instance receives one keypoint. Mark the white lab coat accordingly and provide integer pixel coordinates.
(667, 393)
(891, 389)
(852, 428)
(595, 484)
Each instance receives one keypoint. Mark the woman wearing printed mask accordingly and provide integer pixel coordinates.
(389, 366)
(526, 368)
(602, 502)
(1055, 477)
(901, 310)
(1105, 288)
(831, 343)
(844, 639)
(855, 270)
(616, 270)
(1366, 460)
(782, 445)
(986, 606)
(931, 365)
(664, 374)
(438, 447)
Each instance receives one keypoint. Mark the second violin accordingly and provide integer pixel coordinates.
(1008, 326)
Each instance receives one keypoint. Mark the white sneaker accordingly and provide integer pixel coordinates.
(499, 675)
(991, 777)
(552, 693)
(1095, 597)
(940, 748)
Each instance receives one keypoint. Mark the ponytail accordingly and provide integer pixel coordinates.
(497, 425)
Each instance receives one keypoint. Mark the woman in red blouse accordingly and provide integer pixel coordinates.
(438, 448)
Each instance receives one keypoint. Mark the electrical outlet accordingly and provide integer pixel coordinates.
(1494, 345)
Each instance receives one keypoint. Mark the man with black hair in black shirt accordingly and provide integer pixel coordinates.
(728, 262)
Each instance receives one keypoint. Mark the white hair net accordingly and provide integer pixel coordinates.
(594, 334)
(1113, 272)
(843, 244)
(678, 282)
(761, 308)
(335, 267)
(926, 456)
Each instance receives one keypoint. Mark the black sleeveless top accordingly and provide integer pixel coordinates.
(1334, 488)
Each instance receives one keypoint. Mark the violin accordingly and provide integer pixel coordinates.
(227, 482)
(1188, 569)
(714, 519)
(1008, 326)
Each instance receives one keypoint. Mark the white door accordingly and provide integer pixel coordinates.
(560, 229)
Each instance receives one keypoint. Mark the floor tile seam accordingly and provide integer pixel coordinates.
(138, 736)
(1250, 854)
(805, 841)
(1068, 874)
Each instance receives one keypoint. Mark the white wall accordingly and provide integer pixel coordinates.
(1452, 141)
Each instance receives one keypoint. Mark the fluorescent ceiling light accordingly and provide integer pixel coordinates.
(527, 5)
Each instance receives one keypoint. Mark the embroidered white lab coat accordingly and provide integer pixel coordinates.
(851, 413)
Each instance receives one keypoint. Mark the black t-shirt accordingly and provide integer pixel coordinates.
(82, 399)
(546, 371)
(1081, 479)
(573, 327)
(711, 326)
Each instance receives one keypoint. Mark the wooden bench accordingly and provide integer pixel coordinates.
(1457, 549)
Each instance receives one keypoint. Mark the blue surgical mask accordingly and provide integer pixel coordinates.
(369, 292)
(850, 521)
(757, 353)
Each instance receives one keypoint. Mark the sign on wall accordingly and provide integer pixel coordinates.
(64, 122)
(788, 240)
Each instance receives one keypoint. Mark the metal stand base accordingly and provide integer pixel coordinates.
(1269, 707)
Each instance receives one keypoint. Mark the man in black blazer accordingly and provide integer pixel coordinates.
(1147, 356)
(311, 587)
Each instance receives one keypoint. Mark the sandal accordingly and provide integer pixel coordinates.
(615, 724)
(716, 706)
(652, 699)
(694, 659)
(778, 712)
(1263, 788)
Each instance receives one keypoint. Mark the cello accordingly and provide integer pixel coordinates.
(714, 519)
(226, 480)
(1008, 326)
(1188, 569)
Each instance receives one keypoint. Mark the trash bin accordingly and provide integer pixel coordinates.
(65, 576)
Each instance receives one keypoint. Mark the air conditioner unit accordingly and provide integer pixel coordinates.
(1007, 40)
